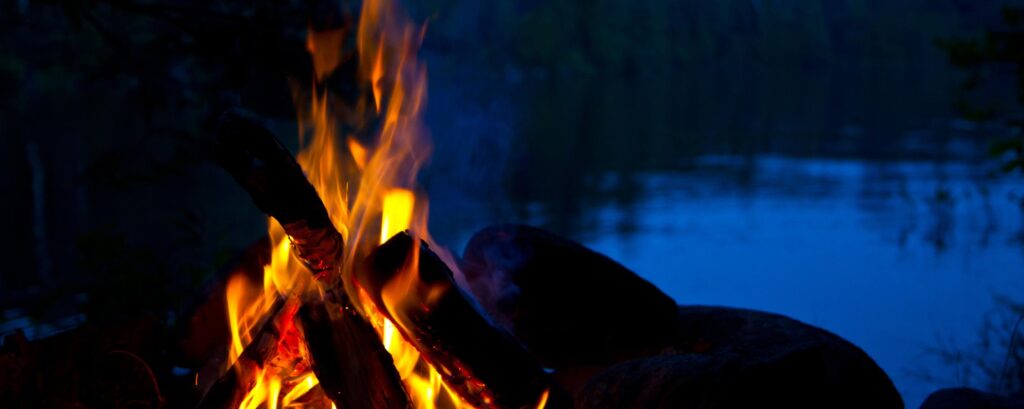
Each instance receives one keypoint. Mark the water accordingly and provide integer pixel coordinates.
(856, 201)
(897, 257)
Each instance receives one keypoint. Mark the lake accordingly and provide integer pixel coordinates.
(899, 257)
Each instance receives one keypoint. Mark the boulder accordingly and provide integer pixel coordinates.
(616, 341)
(736, 358)
(570, 306)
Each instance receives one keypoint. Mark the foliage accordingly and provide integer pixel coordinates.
(996, 361)
(652, 37)
(990, 58)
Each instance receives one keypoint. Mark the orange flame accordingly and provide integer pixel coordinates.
(366, 188)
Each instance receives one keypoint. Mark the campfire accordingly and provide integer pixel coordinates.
(358, 307)
(124, 299)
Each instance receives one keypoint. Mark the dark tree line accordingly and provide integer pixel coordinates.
(988, 61)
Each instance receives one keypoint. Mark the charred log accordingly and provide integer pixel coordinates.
(348, 357)
(274, 180)
(229, 390)
(483, 363)
(353, 367)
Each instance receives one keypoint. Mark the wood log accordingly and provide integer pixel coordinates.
(229, 390)
(354, 370)
(347, 354)
(274, 180)
(484, 364)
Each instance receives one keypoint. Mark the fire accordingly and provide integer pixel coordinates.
(398, 205)
(304, 385)
(367, 187)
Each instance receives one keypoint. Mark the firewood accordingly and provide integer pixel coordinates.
(353, 367)
(484, 364)
(229, 390)
(274, 180)
(345, 349)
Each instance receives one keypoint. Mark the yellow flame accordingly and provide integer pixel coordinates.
(302, 387)
(543, 399)
(422, 381)
(367, 192)
(398, 205)
(273, 392)
(258, 394)
(245, 309)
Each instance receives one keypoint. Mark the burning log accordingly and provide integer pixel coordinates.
(348, 357)
(354, 370)
(274, 180)
(483, 363)
(230, 388)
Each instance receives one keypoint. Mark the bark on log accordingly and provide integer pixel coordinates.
(483, 363)
(274, 180)
(230, 388)
(354, 370)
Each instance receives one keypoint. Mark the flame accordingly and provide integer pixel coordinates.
(397, 213)
(543, 400)
(323, 46)
(267, 390)
(422, 380)
(358, 153)
(377, 76)
(367, 188)
(301, 388)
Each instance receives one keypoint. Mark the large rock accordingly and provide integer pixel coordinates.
(967, 398)
(735, 358)
(570, 306)
(616, 341)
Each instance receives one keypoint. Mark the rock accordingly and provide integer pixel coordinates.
(967, 398)
(735, 358)
(570, 306)
(616, 341)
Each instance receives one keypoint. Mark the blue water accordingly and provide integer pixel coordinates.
(898, 257)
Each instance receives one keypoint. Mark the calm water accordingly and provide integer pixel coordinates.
(897, 257)
(905, 254)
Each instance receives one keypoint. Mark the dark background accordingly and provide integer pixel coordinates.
(548, 112)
